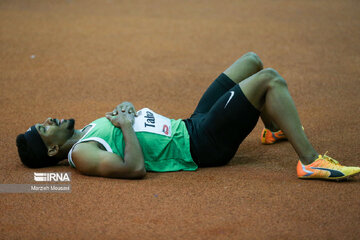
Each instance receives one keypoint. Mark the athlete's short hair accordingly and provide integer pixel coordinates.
(32, 150)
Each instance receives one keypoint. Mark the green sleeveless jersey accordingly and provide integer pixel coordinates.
(165, 142)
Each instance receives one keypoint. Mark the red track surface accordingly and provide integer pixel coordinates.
(81, 58)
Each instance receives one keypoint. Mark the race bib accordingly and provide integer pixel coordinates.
(149, 121)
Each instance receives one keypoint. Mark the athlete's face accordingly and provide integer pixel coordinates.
(55, 132)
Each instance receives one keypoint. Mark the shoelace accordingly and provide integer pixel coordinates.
(330, 159)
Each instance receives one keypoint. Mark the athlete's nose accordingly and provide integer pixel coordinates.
(49, 121)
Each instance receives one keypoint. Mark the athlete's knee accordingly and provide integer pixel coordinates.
(272, 78)
(268, 73)
(253, 59)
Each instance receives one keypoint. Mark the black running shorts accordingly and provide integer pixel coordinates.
(221, 121)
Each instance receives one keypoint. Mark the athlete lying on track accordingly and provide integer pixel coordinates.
(126, 144)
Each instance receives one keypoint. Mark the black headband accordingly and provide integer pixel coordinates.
(36, 144)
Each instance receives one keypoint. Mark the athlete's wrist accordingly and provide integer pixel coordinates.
(126, 124)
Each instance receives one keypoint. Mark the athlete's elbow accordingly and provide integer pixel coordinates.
(136, 172)
(137, 168)
(139, 174)
(124, 174)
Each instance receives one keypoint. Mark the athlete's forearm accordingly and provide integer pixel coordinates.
(133, 155)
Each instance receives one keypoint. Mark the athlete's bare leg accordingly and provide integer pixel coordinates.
(267, 91)
(268, 123)
(246, 66)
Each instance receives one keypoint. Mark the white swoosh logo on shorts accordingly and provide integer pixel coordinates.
(231, 96)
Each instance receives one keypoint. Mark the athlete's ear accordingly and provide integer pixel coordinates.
(53, 150)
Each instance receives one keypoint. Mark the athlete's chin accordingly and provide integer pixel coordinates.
(71, 124)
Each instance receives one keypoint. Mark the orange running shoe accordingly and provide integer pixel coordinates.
(269, 137)
(324, 167)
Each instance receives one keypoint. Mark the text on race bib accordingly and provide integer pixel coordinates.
(149, 121)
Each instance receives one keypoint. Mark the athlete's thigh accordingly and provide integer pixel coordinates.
(256, 86)
(217, 89)
(246, 66)
(226, 125)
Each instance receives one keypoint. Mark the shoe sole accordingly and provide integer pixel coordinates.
(338, 179)
(276, 141)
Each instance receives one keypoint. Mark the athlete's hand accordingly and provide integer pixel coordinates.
(125, 107)
(121, 119)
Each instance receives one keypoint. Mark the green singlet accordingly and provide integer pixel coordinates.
(165, 142)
